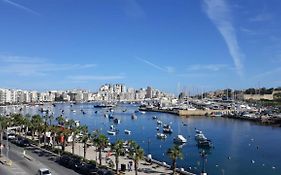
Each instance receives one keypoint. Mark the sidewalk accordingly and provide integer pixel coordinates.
(144, 167)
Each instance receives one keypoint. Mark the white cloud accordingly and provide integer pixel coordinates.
(33, 66)
(219, 13)
(81, 78)
(21, 7)
(168, 69)
(210, 67)
(261, 17)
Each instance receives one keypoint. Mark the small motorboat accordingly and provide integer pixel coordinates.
(154, 117)
(161, 136)
(111, 133)
(180, 139)
(200, 136)
(106, 115)
(127, 132)
(205, 143)
(134, 116)
(168, 130)
(117, 121)
(111, 116)
(159, 122)
(142, 112)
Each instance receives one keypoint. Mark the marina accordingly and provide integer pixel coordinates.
(243, 143)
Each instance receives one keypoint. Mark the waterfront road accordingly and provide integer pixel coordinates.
(30, 164)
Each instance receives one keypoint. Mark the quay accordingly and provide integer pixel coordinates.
(197, 112)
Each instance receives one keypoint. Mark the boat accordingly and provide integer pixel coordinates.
(161, 136)
(124, 110)
(159, 122)
(180, 139)
(106, 115)
(112, 127)
(200, 137)
(117, 121)
(198, 131)
(168, 130)
(127, 131)
(111, 116)
(205, 143)
(134, 116)
(111, 133)
(154, 117)
(142, 112)
(73, 111)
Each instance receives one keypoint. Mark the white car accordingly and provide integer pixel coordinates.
(44, 171)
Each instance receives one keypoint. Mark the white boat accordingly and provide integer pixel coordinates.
(154, 117)
(106, 115)
(159, 122)
(198, 131)
(161, 136)
(74, 111)
(112, 127)
(111, 133)
(142, 112)
(200, 136)
(127, 131)
(180, 139)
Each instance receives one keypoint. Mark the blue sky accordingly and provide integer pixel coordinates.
(191, 44)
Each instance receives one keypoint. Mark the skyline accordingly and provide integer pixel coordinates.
(197, 44)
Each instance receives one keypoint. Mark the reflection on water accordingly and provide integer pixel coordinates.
(240, 147)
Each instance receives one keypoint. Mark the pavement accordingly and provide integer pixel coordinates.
(31, 162)
(144, 167)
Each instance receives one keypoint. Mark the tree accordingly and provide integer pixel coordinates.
(85, 138)
(60, 119)
(37, 125)
(4, 123)
(101, 141)
(118, 149)
(174, 153)
(74, 131)
(136, 152)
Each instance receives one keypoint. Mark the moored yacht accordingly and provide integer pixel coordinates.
(161, 136)
(180, 139)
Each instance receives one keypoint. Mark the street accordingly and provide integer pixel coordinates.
(30, 164)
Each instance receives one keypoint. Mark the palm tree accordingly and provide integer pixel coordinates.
(61, 120)
(118, 149)
(4, 123)
(174, 153)
(74, 131)
(137, 153)
(85, 138)
(101, 142)
(37, 123)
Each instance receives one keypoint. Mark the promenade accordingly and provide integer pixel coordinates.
(144, 167)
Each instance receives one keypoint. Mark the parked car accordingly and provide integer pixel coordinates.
(44, 171)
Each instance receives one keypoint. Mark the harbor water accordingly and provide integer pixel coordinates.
(240, 147)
